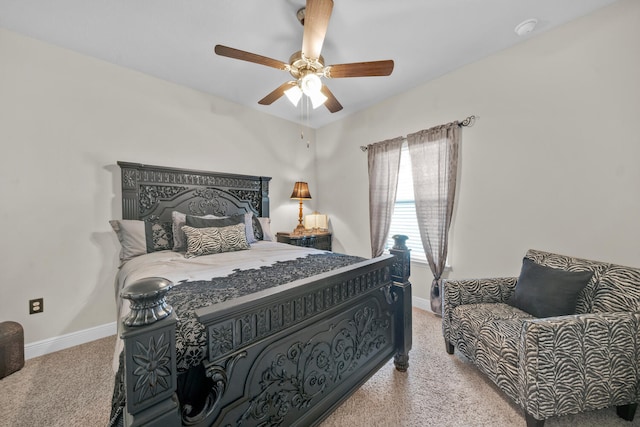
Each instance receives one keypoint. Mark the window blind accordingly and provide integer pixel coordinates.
(404, 214)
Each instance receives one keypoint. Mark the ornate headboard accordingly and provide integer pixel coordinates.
(153, 192)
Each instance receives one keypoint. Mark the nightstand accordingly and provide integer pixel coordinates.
(320, 240)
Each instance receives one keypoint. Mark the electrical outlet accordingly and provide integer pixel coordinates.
(36, 306)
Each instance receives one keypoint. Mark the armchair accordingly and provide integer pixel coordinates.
(552, 366)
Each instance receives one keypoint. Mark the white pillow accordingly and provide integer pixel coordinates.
(267, 235)
(248, 227)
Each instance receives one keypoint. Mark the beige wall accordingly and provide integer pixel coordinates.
(65, 119)
(552, 163)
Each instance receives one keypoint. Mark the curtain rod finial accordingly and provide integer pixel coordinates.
(469, 121)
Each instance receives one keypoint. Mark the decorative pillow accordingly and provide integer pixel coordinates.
(199, 222)
(246, 218)
(265, 224)
(179, 220)
(546, 292)
(141, 237)
(257, 229)
(234, 238)
(213, 240)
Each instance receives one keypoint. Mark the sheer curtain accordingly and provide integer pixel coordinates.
(384, 164)
(434, 161)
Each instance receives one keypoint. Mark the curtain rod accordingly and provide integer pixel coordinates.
(468, 122)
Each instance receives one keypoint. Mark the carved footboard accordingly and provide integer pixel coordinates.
(285, 356)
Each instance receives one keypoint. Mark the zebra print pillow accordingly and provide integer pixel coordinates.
(213, 240)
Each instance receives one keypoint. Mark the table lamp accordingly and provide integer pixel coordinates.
(300, 192)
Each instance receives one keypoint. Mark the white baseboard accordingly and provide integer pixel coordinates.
(421, 303)
(50, 345)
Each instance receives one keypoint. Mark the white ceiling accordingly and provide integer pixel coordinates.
(174, 40)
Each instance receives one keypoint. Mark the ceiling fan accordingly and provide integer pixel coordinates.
(307, 65)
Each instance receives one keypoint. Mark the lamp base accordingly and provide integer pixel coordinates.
(317, 230)
(299, 229)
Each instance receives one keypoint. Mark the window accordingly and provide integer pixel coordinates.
(404, 214)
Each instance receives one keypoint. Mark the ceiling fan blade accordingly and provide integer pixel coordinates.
(276, 94)
(250, 57)
(316, 21)
(360, 69)
(331, 103)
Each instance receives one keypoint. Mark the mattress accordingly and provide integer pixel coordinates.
(211, 279)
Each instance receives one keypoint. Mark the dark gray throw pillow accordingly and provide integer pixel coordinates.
(197, 222)
(546, 292)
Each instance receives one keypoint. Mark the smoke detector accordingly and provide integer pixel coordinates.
(301, 14)
(525, 27)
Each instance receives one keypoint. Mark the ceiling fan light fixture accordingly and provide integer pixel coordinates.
(310, 84)
(307, 65)
(294, 94)
(317, 99)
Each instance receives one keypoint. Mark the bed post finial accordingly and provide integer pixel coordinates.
(401, 269)
(147, 297)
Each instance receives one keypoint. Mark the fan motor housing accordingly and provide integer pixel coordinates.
(301, 65)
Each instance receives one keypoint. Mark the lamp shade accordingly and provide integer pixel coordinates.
(301, 191)
(317, 99)
(294, 94)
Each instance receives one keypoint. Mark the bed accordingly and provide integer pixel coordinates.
(262, 334)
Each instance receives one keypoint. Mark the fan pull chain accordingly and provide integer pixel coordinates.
(308, 114)
(302, 120)
(304, 113)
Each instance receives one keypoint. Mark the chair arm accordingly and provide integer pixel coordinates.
(472, 291)
(570, 364)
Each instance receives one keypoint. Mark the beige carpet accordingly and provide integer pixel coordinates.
(72, 387)
(438, 390)
(443, 390)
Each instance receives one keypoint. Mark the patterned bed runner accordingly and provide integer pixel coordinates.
(191, 340)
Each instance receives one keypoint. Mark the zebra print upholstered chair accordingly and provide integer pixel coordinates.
(558, 365)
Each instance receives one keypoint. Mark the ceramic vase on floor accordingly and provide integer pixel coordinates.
(435, 298)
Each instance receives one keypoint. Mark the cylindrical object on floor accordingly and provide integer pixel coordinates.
(11, 348)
